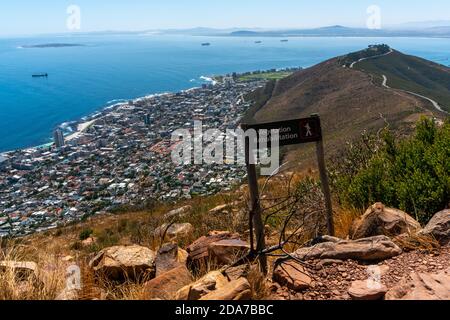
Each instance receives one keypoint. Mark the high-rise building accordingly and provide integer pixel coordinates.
(147, 119)
(58, 138)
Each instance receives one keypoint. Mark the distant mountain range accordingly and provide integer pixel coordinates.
(341, 31)
(411, 29)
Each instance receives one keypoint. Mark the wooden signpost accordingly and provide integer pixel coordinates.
(299, 131)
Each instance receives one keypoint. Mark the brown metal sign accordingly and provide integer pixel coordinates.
(291, 132)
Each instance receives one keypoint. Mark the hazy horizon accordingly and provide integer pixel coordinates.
(26, 17)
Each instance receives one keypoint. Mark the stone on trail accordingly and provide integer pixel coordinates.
(174, 231)
(367, 290)
(439, 227)
(368, 249)
(292, 275)
(169, 257)
(236, 290)
(22, 269)
(166, 285)
(379, 220)
(194, 291)
(125, 262)
(422, 286)
(226, 252)
(199, 249)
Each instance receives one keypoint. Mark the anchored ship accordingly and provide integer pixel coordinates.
(40, 75)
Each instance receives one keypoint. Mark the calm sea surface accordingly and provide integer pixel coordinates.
(109, 68)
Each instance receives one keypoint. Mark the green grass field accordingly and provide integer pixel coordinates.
(265, 76)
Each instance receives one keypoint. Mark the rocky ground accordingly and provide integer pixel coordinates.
(387, 255)
(332, 279)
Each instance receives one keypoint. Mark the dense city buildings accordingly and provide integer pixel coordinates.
(119, 157)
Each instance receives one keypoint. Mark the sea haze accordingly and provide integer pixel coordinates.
(83, 79)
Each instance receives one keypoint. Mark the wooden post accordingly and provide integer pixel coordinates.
(255, 208)
(325, 184)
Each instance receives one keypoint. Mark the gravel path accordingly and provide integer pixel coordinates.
(332, 280)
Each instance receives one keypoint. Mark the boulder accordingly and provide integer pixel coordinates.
(177, 213)
(194, 291)
(23, 270)
(236, 290)
(89, 242)
(422, 286)
(166, 285)
(169, 257)
(379, 220)
(368, 249)
(219, 209)
(174, 231)
(292, 275)
(439, 227)
(226, 252)
(125, 262)
(367, 290)
(199, 250)
(234, 273)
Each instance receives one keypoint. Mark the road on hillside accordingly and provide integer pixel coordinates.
(434, 103)
(363, 59)
(385, 80)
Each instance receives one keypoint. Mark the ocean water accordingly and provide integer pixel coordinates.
(114, 67)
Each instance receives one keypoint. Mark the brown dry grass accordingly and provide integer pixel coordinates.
(45, 284)
(48, 250)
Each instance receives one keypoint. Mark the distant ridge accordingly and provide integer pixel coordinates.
(352, 100)
(343, 31)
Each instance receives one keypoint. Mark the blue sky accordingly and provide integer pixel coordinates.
(49, 16)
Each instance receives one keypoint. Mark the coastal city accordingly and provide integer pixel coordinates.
(119, 157)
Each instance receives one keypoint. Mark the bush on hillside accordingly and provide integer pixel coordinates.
(85, 233)
(412, 174)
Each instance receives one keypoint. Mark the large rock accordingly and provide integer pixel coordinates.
(379, 220)
(226, 252)
(178, 213)
(239, 289)
(174, 231)
(194, 291)
(165, 286)
(367, 290)
(199, 249)
(219, 209)
(439, 227)
(23, 270)
(125, 262)
(422, 286)
(368, 249)
(169, 257)
(292, 275)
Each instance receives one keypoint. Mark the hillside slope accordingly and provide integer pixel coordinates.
(412, 74)
(350, 101)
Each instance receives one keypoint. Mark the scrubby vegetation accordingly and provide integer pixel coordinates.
(373, 50)
(411, 174)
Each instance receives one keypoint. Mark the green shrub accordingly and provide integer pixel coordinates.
(85, 233)
(411, 174)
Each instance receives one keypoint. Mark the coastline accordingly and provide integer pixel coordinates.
(87, 121)
(73, 129)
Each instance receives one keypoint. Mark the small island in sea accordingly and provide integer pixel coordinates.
(53, 45)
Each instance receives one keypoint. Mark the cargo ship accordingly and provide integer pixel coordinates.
(206, 44)
(40, 75)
